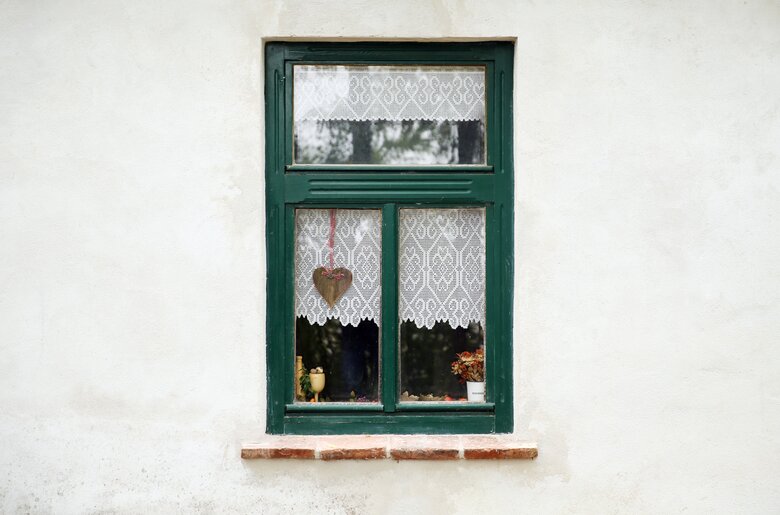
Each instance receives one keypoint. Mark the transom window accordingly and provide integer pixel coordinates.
(389, 212)
(389, 114)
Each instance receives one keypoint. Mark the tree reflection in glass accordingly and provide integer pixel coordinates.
(348, 355)
(389, 142)
(426, 357)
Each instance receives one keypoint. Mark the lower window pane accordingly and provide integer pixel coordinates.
(442, 304)
(337, 305)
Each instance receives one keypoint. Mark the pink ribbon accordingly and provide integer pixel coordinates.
(328, 272)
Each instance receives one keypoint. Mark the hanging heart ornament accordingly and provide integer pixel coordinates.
(332, 284)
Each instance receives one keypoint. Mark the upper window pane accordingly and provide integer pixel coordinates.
(389, 115)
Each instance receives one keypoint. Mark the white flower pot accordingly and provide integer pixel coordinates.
(476, 391)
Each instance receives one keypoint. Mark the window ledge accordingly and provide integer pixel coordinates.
(397, 447)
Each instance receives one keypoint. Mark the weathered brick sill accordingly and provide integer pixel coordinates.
(397, 447)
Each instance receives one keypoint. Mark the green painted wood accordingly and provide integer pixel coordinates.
(274, 109)
(384, 186)
(389, 342)
(446, 406)
(389, 168)
(313, 52)
(388, 188)
(288, 372)
(493, 378)
(287, 123)
(504, 205)
(396, 423)
(330, 407)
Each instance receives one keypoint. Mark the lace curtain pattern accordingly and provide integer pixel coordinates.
(394, 93)
(442, 266)
(357, 246)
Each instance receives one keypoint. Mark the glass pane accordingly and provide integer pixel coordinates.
(442, 304)
(347, 355)
(337, 304)
(427, 356)
(389, 114)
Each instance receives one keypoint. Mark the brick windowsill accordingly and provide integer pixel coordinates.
(397, 447)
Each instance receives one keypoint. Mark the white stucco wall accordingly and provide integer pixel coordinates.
(647, 308)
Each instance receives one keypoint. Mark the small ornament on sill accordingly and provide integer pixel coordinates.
(332, 283)
(317, 381)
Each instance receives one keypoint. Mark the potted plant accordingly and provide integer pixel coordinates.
(305, 385)
(470, 369)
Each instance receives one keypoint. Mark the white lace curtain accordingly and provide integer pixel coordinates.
(441, 265)
(394, 93)
(357, 247)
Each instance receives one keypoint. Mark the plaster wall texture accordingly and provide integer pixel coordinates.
(132, 262)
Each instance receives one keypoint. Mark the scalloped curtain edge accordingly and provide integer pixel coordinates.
(314, 319)
(420, 324)
(427, 324)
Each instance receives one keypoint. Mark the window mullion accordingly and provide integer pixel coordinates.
(389, 338)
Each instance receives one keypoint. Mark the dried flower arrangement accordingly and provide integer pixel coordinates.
(470, 366)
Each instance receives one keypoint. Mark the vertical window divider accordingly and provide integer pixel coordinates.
(389, 335)
(289, 303)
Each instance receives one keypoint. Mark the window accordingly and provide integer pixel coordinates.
(389, 226)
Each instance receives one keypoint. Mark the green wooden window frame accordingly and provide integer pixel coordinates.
(389, 188)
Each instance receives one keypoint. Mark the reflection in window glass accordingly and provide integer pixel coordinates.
(337, 304)
(426, 360)
(389, 114)
(348, 356)
(441, 302)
